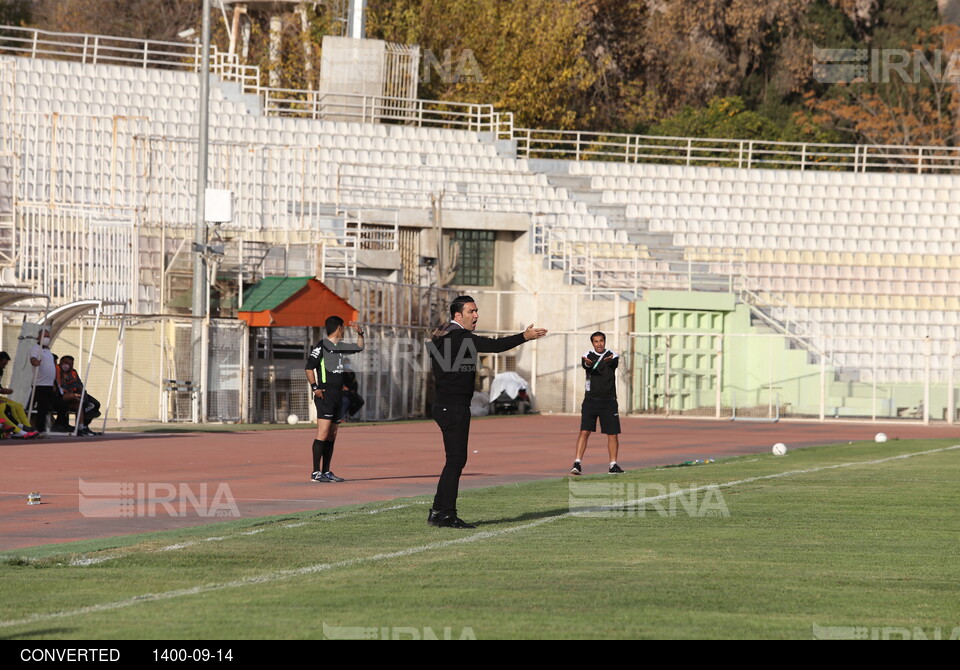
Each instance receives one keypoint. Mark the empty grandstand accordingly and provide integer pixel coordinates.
(806, 280)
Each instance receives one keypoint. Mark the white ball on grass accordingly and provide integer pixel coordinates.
(779, 449)
(880, 437)
(293, 419)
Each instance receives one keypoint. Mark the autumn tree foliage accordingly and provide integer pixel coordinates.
(913, 103)
(145, 19)
(909, 95)
(617, 59)
(14, 12)
(531, 54)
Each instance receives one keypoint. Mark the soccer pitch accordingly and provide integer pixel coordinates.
(854, 540)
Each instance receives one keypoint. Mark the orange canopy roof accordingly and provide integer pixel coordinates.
(292, 301)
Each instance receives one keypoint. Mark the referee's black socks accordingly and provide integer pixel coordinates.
(319, 446)
(327, 455)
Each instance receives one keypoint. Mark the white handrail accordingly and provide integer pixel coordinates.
(723, 152)
(379, 108)
(530, 143)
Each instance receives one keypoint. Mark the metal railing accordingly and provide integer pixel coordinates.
(359, 108)
(420, 183)
(633, 269)
(373, 237)
(394, 304)
(105, 50)
(8, 111)
(584, 145)
(760, 303)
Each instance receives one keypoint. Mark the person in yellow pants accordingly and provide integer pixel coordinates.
(13, 419)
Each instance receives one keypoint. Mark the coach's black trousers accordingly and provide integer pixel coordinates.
(454, 422)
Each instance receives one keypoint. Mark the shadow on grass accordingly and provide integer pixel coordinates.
(528, 516)
(34, 634)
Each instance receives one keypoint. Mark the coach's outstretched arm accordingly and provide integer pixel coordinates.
(532, 333)
(496, 345)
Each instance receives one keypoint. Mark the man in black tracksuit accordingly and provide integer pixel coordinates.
(599, 401)
(454, 356)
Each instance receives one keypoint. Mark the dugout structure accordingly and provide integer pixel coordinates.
(25, 375)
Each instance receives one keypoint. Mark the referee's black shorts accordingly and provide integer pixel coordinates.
(604, 409)
(330, 406)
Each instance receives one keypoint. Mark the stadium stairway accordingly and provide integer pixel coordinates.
(660, 246)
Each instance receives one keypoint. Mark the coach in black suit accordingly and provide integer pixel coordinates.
(454, 353)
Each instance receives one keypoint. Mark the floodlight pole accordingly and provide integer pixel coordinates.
(200, 288)
(357, 19)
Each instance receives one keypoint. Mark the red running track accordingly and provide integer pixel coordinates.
(267, 472)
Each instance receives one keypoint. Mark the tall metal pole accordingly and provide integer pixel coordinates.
(200, 287)
(357, 19)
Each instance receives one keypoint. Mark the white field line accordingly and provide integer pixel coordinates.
(85, 561)
(275, 576)
(778, 475)
(280, 575)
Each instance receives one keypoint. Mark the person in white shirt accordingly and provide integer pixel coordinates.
(46, 398)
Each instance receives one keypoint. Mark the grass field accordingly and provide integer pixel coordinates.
(852, 540)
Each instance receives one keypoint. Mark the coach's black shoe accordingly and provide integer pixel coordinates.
(332, 477)
(575, 470)
(447, 520)
(454, 522)
(615, 470)
(319, 478)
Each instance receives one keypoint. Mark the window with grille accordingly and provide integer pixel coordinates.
(475, 267)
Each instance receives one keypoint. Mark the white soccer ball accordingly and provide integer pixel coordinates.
(293, 419)
(779, 449)
(880, 437)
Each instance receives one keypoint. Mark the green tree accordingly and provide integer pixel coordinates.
(729, 118)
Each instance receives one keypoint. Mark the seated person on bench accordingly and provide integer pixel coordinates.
(72, 389)
(13, 418)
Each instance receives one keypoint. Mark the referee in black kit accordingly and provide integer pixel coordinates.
(454, 356)
(325, 372)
